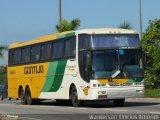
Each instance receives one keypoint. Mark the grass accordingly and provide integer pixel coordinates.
(152, 93)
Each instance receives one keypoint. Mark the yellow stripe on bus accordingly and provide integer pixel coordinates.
(107, 81)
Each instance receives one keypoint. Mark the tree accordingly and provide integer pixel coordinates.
(151, 44)
(68, 26)
(2, 48)
(125, 25)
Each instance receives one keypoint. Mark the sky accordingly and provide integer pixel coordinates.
(22, 20)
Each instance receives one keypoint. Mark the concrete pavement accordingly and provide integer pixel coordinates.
(50, 110)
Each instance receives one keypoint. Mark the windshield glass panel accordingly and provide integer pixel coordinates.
(129, 57)
(109, 41)
(105, 63)
(105, 60)
(115, 41)
(116, 64)
(130, 63)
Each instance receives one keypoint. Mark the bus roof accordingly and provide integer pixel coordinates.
(106, 31)
(43, 39)
(71, 33)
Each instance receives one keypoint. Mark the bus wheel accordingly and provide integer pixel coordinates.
(118, 102)
(74, 98)
(28, 98)
(22, 96)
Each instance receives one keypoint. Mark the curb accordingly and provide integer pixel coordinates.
(143, 99)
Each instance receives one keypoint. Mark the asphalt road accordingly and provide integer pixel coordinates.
(49, 110)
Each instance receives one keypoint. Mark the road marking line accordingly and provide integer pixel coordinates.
(155, 112)
(83, 108)
(29, 118)
(77, 108)
(116, 110)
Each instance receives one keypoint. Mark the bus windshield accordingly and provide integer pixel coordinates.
(116, 64)
(109, 41)
(104, 63)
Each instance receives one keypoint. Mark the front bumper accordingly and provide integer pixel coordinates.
(115, 93)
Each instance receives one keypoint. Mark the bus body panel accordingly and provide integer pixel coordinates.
(53, 79)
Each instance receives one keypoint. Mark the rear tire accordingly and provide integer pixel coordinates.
(22, 96)
(28, 98)
(118, 102)
(74, 98)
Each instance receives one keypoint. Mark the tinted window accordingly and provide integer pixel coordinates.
(46, 51)
(35, 53)
(57, 49)
(70, 46)
(108, 41)
(84, 41)
(10, 60)
(115, 41)
(17, 56)
(26, 54)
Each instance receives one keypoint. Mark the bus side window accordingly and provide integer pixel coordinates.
(26, 54)
(46, 51)
(70, 48)
(17, 56)
(35, 53)
(57, 49)
(10, 57)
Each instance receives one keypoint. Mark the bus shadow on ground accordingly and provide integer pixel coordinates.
(103, 104)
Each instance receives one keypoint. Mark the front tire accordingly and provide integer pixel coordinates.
(118, 102)
(74, 98)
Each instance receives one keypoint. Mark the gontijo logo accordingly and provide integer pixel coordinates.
(34, 69)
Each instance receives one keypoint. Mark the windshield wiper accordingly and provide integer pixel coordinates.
(116, 74)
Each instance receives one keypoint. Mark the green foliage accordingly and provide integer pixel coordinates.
(125, 25)
(3, 77)
(2, 48)
(151, 44)
(68, 26)
(152, 93)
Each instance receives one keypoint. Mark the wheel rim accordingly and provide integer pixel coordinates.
(29, 99)
(75, 98)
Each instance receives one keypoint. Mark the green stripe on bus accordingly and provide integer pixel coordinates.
(54, 76)
(66, 35)
(132, 80)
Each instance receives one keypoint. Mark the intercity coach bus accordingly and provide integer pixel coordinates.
(76, 66)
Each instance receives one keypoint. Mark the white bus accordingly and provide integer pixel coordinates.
(83, 65)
